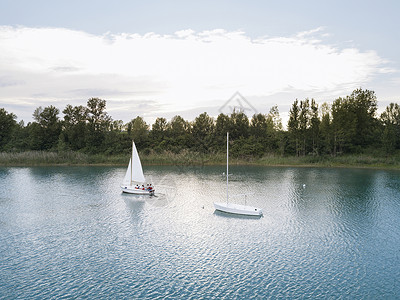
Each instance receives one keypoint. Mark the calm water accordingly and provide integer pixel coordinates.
(68, 232)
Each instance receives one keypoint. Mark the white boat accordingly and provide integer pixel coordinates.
(134, 181)
(232, 207)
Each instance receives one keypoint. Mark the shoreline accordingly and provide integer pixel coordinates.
(316, 165)
(69, 159)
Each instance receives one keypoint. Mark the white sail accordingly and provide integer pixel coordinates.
(134, 172)
(137, 171)
(127, 178)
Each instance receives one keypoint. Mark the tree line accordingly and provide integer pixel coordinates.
(349, 125)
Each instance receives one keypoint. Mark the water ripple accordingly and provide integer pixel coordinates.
(326, 233)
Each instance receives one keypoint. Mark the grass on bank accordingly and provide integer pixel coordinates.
(185, 158)
(33, 158)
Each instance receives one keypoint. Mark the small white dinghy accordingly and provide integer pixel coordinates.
(232, 207)
(134, 181)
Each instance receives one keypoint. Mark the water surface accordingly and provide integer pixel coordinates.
(68, 232)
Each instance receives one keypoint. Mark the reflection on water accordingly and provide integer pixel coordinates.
(325, 233)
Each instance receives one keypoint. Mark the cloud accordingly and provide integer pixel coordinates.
(177, 71)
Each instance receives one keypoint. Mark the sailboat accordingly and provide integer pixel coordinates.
(134, 181)
(232, 207)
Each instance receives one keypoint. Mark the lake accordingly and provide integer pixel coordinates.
(69, 232)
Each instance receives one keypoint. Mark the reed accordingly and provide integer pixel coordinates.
(187, 158)
(354, 160)
(29, 158)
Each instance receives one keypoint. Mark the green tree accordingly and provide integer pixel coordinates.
(138, 130)
(46, 130)
(353, 121)
(157, 135)
(294, 127)
(98, 123)
(37, 114)
(275, 118)
(325, 130)
(304, 124)
(222, 126)
(7, 126)
(239, 125)
(97, 116)
(275, 130)
(202, 132)
(389, 139)
(390, 119)
(314, 127)
(74, 127)
(391, 115)
(20, 138)
(117, 125)
(344, 125)
(259, 139)
(259, 126)
(364, 106)
(179, 133)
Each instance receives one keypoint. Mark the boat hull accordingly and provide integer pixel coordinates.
(238, 209)
(135, 191)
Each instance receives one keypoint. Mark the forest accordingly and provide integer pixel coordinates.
(349, 125)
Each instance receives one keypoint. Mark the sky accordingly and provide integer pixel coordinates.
(166, 58)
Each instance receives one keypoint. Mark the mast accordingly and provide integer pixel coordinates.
(227, 165)
(132, 162)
